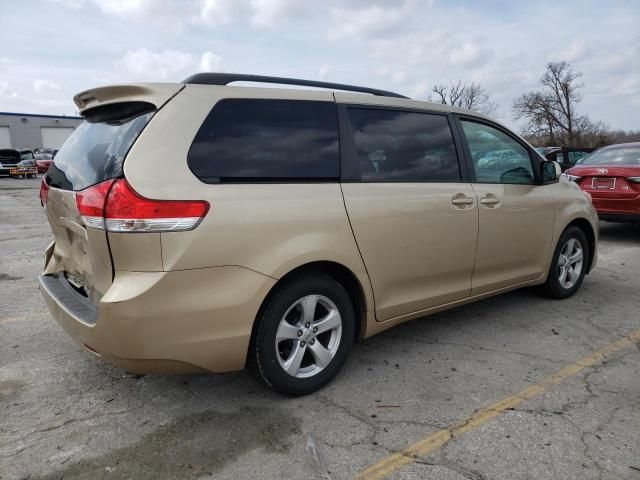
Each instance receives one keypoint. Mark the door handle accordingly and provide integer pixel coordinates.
(490, 200)
(461, 200)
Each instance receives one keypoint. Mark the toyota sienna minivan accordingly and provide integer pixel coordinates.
(204, 227)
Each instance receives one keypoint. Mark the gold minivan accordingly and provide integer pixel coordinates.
(205, 227)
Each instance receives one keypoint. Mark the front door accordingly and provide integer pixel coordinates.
(516, 215)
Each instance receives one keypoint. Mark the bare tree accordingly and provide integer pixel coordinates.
(593, 134)
(536, 107)
(620, 136)
(551, 111)
(472, 97)
(449, 94)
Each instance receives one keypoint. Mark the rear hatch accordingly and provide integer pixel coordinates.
(85, 168)
(606, 181)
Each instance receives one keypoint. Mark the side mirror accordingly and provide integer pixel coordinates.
(550, 172)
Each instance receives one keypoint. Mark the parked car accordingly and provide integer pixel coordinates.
(567, 157)
(9, 159)
(25, 169)
(47, 151)
(283, 224)
(611, 176)
(43, 161)
(27, 154)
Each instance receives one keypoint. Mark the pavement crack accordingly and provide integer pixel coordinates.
(373, 426)
(466, 472)
(63, 424)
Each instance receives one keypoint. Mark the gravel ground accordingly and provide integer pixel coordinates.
(63, 414)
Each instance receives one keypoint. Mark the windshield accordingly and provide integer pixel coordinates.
(95, 152)
(613, 156)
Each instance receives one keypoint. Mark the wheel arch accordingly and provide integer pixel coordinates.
(338, 272)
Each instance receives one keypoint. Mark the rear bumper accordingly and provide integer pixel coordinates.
(616, 206)
(619, 217)
(618, 210)
(164, 322)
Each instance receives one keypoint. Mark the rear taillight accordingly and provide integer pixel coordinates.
(44, 192)
(90, 203)
(113, 205)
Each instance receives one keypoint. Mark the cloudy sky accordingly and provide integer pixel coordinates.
(52, 49)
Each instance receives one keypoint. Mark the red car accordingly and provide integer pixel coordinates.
(43, 160)
(611, 176)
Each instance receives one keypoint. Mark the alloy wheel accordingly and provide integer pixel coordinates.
(570, 263)
(308, 336)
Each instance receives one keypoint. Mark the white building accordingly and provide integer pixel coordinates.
(26, 130)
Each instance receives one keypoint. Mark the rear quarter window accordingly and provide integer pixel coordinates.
(245, 140)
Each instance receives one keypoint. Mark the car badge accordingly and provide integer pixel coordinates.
(603, 171)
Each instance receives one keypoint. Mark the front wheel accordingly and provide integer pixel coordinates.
(304, 335)
(569, 264)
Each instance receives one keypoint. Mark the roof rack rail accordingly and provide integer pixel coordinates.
(226, 78)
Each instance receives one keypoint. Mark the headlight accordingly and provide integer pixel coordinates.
(573, 178)
(634, 179)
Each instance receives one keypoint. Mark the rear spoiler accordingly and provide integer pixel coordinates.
(156, 94)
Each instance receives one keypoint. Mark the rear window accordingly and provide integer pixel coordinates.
(95, 151)
(613, 156)
(267, 140)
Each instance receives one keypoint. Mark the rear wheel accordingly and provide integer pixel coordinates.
(569, 264)
(304, 334)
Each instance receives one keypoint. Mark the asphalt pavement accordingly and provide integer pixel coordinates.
(437, 398)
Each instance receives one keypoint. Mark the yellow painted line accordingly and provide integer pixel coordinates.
(436, 440)
(17, 319)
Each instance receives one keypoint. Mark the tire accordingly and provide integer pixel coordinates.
(564, 282)
(327, 306)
